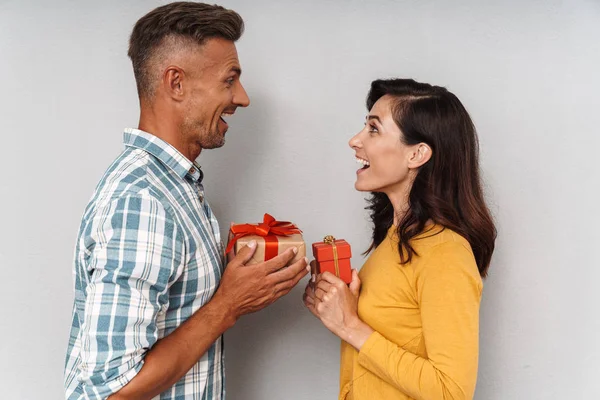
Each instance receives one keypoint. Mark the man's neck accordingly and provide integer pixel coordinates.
(168, 129)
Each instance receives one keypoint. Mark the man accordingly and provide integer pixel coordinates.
(152, 296)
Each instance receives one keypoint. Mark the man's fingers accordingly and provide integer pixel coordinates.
(280, 261)
(245, 254)
(287, 285)
(285, 274)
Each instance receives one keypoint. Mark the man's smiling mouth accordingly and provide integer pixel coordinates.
(226, 114)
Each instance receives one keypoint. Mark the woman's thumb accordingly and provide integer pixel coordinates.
(355, 284)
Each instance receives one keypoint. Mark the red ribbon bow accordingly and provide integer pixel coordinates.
(270, 228)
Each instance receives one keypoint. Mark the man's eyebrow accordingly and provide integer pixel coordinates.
(237, 70)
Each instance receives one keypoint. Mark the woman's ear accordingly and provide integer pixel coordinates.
(420, 154)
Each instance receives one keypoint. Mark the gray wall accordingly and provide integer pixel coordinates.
(526, 70)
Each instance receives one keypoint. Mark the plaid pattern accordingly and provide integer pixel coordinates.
(148, 255)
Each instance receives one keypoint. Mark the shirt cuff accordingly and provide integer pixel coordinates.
(371, 341)
(374, 353)
(115, 386)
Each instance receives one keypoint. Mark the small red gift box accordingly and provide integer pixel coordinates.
(334, 256)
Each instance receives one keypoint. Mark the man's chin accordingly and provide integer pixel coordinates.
(216, 140)
(214, 144)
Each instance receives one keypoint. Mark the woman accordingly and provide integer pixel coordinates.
(412, 333)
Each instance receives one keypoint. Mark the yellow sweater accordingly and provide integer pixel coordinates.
(426, 320)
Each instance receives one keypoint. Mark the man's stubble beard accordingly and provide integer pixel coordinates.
(206, 138)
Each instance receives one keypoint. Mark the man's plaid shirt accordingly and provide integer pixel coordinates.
(148, 255)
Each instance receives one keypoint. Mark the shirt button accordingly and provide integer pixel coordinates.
(192, 170)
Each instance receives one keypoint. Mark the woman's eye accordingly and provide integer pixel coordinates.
(373, 129)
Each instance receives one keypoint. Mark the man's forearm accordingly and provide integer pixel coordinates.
(173, 356)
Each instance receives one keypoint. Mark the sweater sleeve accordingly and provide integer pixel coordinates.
(448, 290)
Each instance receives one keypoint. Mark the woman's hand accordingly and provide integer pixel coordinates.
(336, 305)
(309, 292)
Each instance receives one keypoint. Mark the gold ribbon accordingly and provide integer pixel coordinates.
(329, 239)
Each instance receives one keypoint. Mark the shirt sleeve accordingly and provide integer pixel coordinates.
(449, 295)
(135, 251)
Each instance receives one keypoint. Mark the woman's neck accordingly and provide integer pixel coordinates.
(399, 200)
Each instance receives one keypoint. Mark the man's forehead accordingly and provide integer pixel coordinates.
(219, 51)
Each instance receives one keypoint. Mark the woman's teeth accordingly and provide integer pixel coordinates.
(364, 163)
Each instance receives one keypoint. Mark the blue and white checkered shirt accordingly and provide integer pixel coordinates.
(148, 255)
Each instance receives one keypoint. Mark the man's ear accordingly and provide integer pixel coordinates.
(173, 82)
(419, 155)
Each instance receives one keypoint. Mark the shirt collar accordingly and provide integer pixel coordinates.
(164, 152)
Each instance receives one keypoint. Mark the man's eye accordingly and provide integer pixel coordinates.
(230, 81)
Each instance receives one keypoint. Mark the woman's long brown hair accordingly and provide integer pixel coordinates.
(447, 189)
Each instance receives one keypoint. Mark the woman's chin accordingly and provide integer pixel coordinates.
(361, 187)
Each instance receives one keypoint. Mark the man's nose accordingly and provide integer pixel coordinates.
(241, 98)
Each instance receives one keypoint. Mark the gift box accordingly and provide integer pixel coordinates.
(272, 238)
(334, 256)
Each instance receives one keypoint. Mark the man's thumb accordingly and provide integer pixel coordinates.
(245, 254)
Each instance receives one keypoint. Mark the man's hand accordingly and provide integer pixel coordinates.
(249, 288)
(244, 289)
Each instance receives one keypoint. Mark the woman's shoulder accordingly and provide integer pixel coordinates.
(437, 235)
(442, 248)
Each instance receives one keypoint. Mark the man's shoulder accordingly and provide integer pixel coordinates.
(127, 176)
